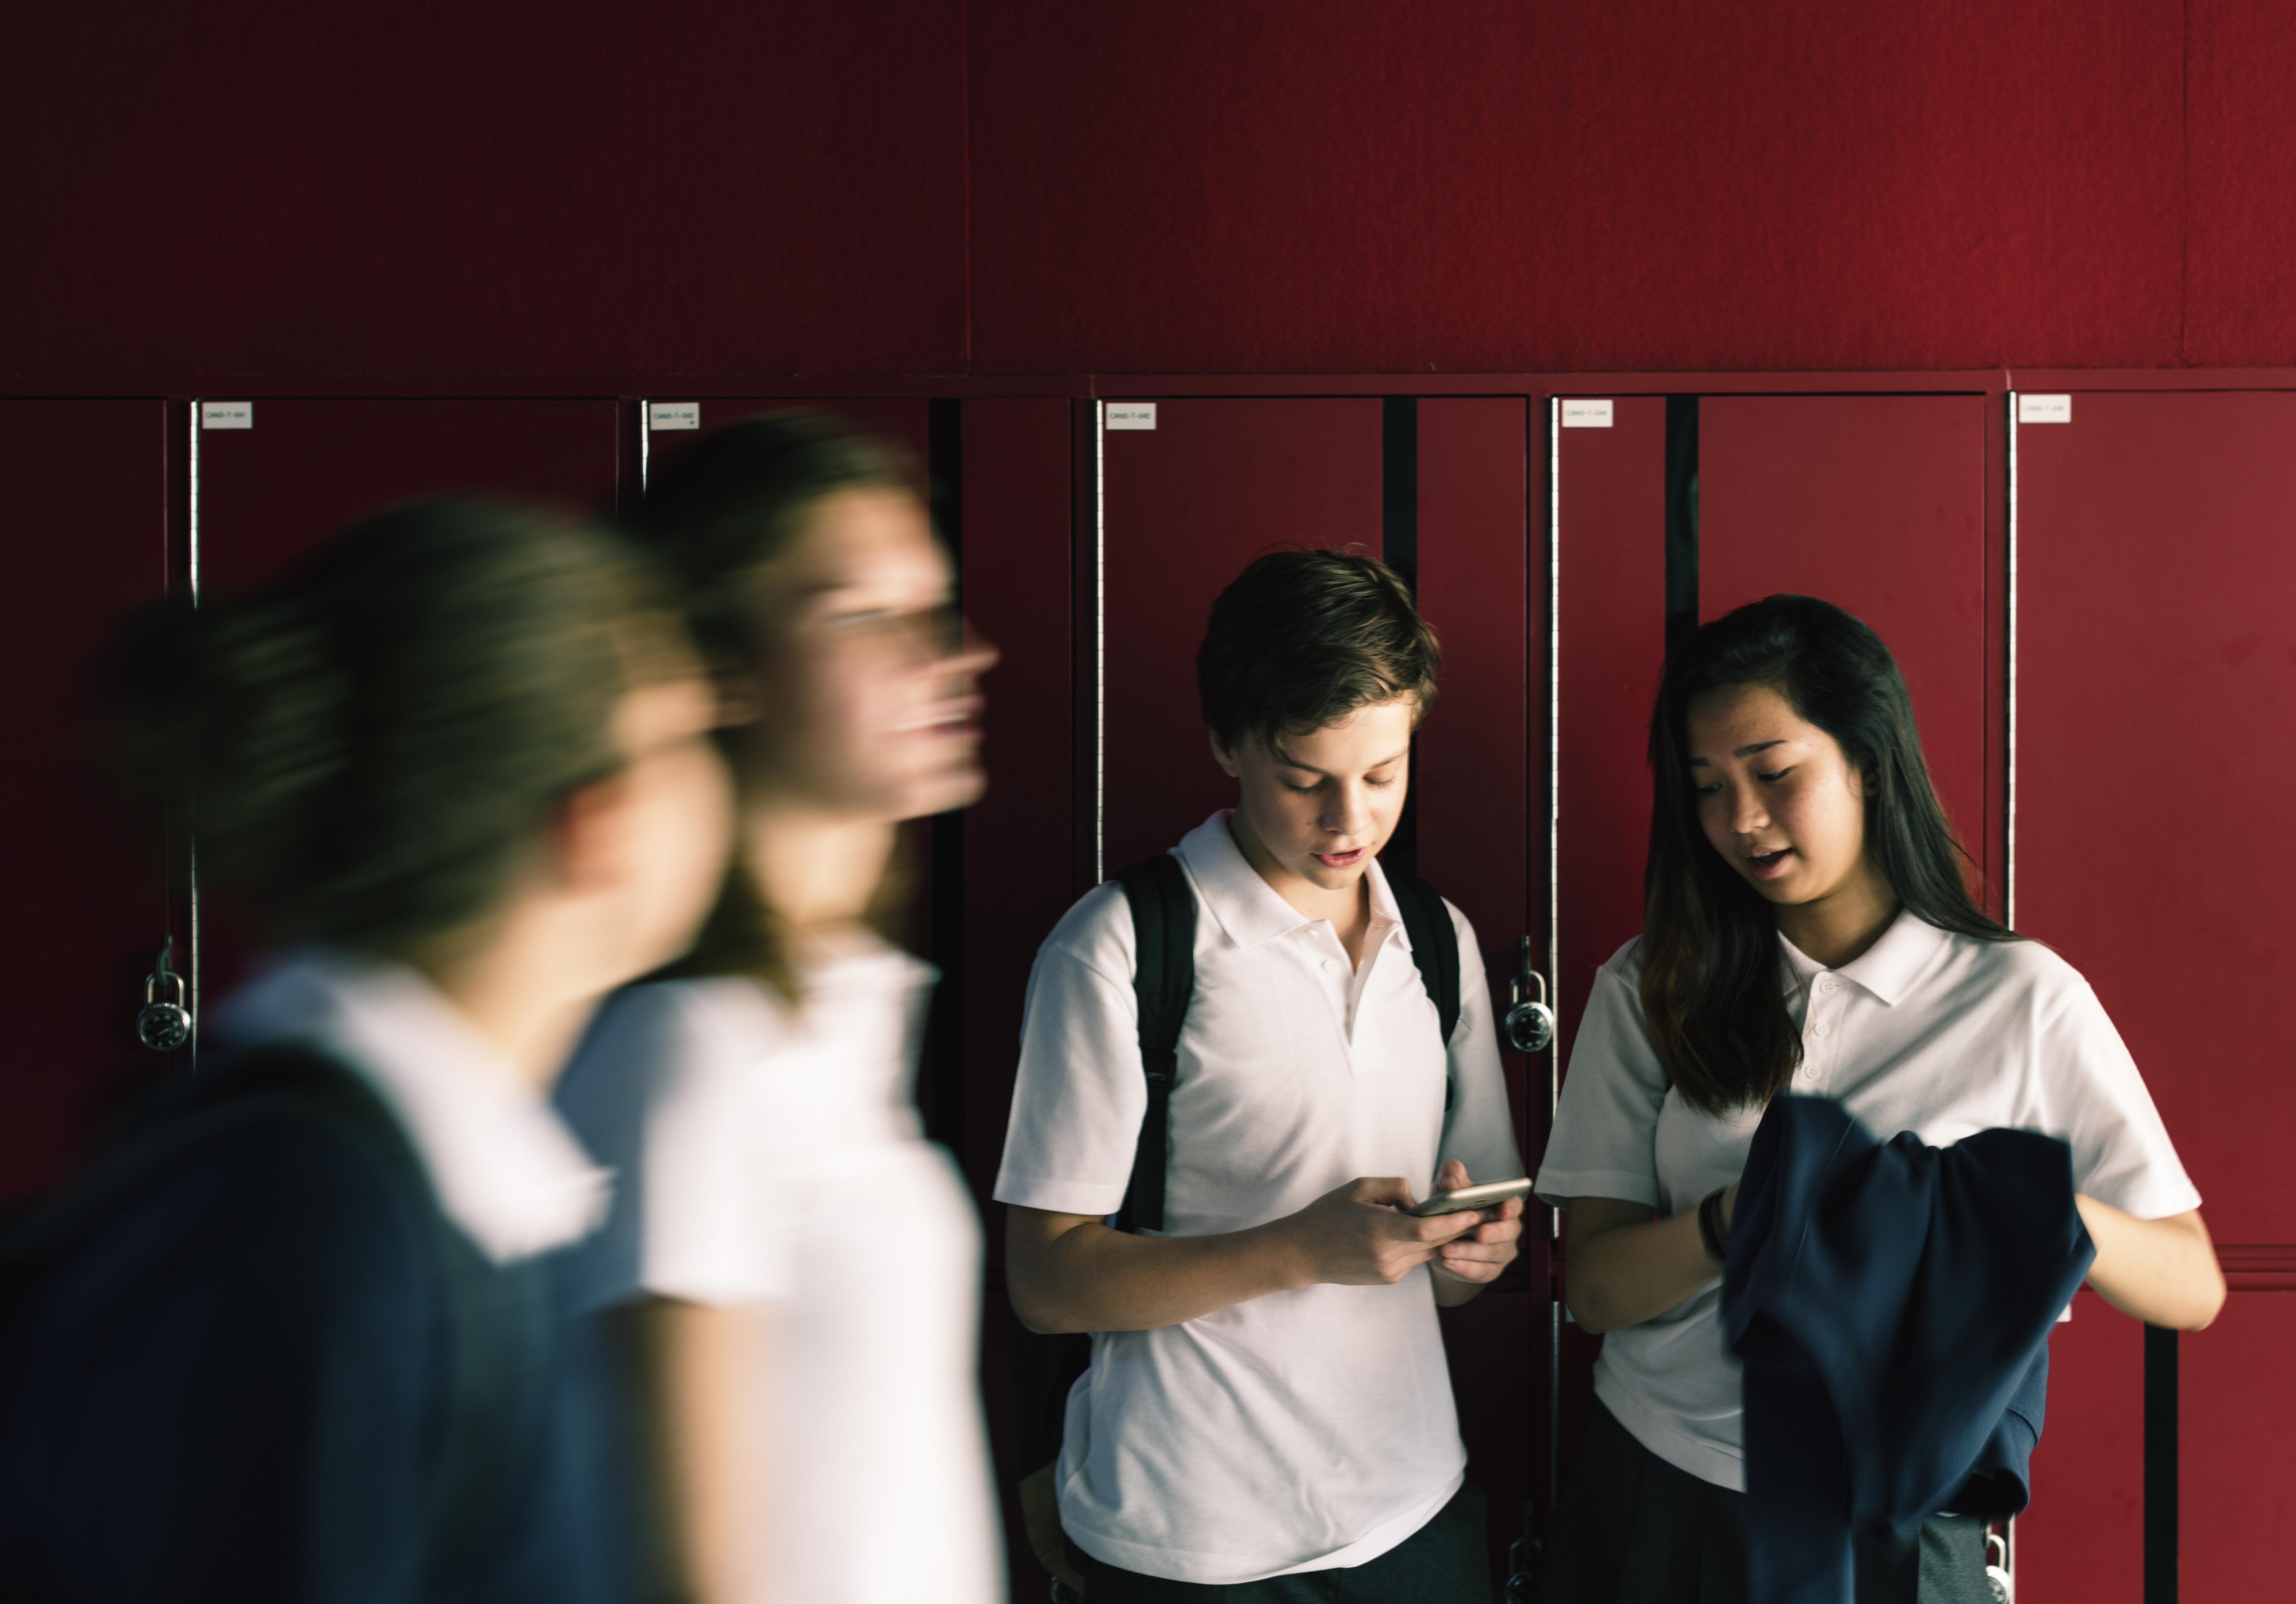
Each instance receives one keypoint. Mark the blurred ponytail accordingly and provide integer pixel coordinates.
(369, 748)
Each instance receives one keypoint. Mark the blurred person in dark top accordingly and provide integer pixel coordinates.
(289, 1337)
(815, 1390)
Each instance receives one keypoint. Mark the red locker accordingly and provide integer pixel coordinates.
(1182, 508)
(1482, 839)
(2156, 672)
(2156, 668)
(87, 906)
(1609, 535)
(2236, 1450)
(2082, 1541)
(1481, 781)
(1876, 503)
(1018, 853)
(1610, 585)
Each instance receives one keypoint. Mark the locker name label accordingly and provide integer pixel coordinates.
(673, 415)
(2044, 409)
(1132, 414)
(1585, 414)
(227, 414)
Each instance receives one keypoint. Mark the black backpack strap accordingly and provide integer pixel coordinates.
(1163, 980)
(1434, 948)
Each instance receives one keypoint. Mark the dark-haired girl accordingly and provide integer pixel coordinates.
(289, 1337)
(804, 1266)
(1808, 930)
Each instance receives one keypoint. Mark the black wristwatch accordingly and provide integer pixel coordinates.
(1710, 1229)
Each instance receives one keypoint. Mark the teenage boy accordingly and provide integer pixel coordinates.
(1267, 1416)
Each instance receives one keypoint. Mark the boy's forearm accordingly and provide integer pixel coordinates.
(1068, 1274)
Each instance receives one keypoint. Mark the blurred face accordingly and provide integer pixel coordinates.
(867, 688)
(1321, 806)
(668, 821)
(1776, 797)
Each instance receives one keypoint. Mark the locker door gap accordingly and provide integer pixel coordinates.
(1398, 529)
(1681, 517)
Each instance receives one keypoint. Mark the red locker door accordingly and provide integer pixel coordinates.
(1018, 852)
(1481, 830)
(85, 913)
(1609, 512)
(2236, 1470)
(294, 471)
(1183, 506)
(2156, 671)
(1876, 503)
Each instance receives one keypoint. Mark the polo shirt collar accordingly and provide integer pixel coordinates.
(1247, 907)
(505, 1169)
(1889, 968)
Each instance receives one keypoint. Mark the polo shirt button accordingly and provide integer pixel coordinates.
(1820, 1028)
(1331, 966)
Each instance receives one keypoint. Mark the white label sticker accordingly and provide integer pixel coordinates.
(1585, 414)
(673, 415)
(2044, 409)
(1132, 414)
(227, 414)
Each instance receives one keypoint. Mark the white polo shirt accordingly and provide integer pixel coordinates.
(1300, 1430)
(1930, 1032)
(747, 1137)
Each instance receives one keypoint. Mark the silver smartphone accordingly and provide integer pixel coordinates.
(1490, 1194)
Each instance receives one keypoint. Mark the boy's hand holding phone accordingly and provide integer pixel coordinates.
(1480, 1254)
(1358, 1235)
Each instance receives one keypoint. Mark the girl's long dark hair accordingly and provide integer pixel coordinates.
(1712, 986)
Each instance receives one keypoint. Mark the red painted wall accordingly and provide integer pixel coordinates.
(1010, 187)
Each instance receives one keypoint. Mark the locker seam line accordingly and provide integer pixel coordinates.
(1099, 640)
(2009, 833)
(191, 844)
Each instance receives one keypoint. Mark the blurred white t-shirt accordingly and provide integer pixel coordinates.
(769, 1155)
(1927, 1031)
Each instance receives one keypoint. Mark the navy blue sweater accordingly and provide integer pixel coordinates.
(1893, 1304)
(269, 1369)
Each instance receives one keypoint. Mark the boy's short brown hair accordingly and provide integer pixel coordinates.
(1303, 638)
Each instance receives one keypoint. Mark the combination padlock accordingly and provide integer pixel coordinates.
(1530, 1022)
(165, 1023)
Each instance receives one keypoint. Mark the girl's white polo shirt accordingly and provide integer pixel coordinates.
(1928, 1031)
(1303, 1430)
(744, 1134)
